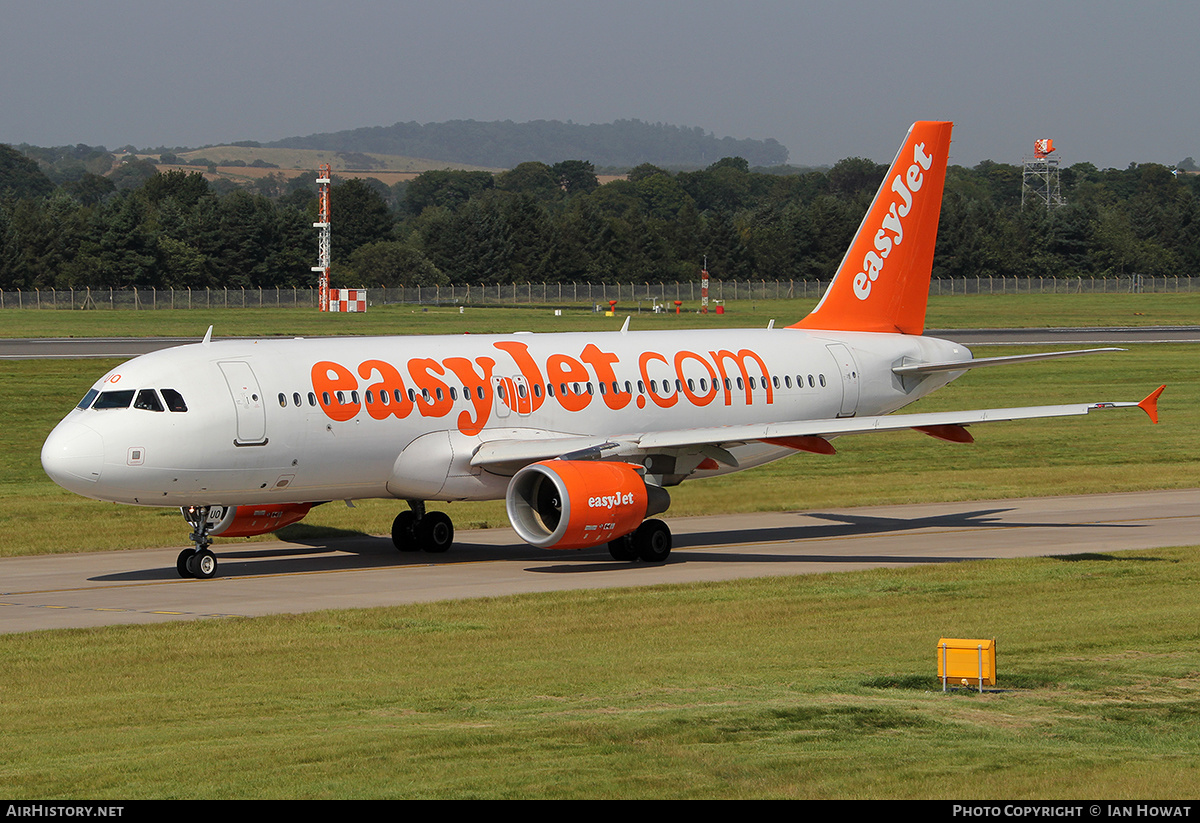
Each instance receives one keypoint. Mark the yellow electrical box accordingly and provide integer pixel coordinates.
(966, 662)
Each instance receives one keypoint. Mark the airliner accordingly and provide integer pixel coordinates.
(582, 434)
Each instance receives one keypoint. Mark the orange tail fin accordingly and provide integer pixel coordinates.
(882, 284)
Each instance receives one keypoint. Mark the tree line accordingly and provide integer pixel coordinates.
(66, 222)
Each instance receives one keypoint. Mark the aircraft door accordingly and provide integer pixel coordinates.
(512, 394)
(248, 401)
(848, 370)
(522, 399)
(502, 390)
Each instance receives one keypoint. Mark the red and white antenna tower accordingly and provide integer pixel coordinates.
(324, 178)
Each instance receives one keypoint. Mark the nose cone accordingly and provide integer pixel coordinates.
(73, 456)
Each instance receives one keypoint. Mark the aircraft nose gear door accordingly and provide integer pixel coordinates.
(248, 400)
(848, 370)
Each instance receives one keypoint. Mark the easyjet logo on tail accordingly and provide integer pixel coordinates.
(890, 233)
(896, 241)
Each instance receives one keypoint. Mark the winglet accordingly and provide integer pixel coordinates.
(1150, 404)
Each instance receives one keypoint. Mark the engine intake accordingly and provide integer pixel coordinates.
(572, 504)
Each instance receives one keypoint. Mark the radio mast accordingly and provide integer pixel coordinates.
(324, 177)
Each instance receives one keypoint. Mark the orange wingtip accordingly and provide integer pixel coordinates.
(1150, 404)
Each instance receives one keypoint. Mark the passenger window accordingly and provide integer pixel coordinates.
(282, 400)
(312, 399)
(87, 399)
(296, 399)
(114, 400)
(147, 400)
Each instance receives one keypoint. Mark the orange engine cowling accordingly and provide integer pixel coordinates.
(247, 521)
(572, 504)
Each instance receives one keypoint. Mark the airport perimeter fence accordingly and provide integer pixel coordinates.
(644, 295)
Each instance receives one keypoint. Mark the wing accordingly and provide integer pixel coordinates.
(806, 435)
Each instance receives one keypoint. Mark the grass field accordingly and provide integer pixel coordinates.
(805, 687)
(958, 312)
(818, 686)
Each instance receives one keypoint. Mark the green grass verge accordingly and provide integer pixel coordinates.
(945, 312)
(730, 690)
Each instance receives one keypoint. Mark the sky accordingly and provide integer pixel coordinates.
(1110, 82)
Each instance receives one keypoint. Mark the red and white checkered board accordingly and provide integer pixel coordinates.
(347, 299)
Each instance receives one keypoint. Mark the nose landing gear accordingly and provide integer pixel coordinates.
(198, 562)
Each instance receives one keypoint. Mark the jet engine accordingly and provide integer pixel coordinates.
(247, 521)
(573, 504)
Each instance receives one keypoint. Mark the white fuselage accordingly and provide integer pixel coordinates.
(305, 420)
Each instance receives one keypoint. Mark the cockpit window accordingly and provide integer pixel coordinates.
(174, 400)
(88, 398)
(114, 399)
(147, 399)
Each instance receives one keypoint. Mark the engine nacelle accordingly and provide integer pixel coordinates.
(573, 504)
(247, 521)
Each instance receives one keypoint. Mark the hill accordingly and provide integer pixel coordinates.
(504, 144)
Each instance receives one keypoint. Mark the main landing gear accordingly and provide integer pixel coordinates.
(198, 562)
(418, 530)
(650, 542)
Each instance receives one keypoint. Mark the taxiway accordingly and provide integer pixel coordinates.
(142, 586)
